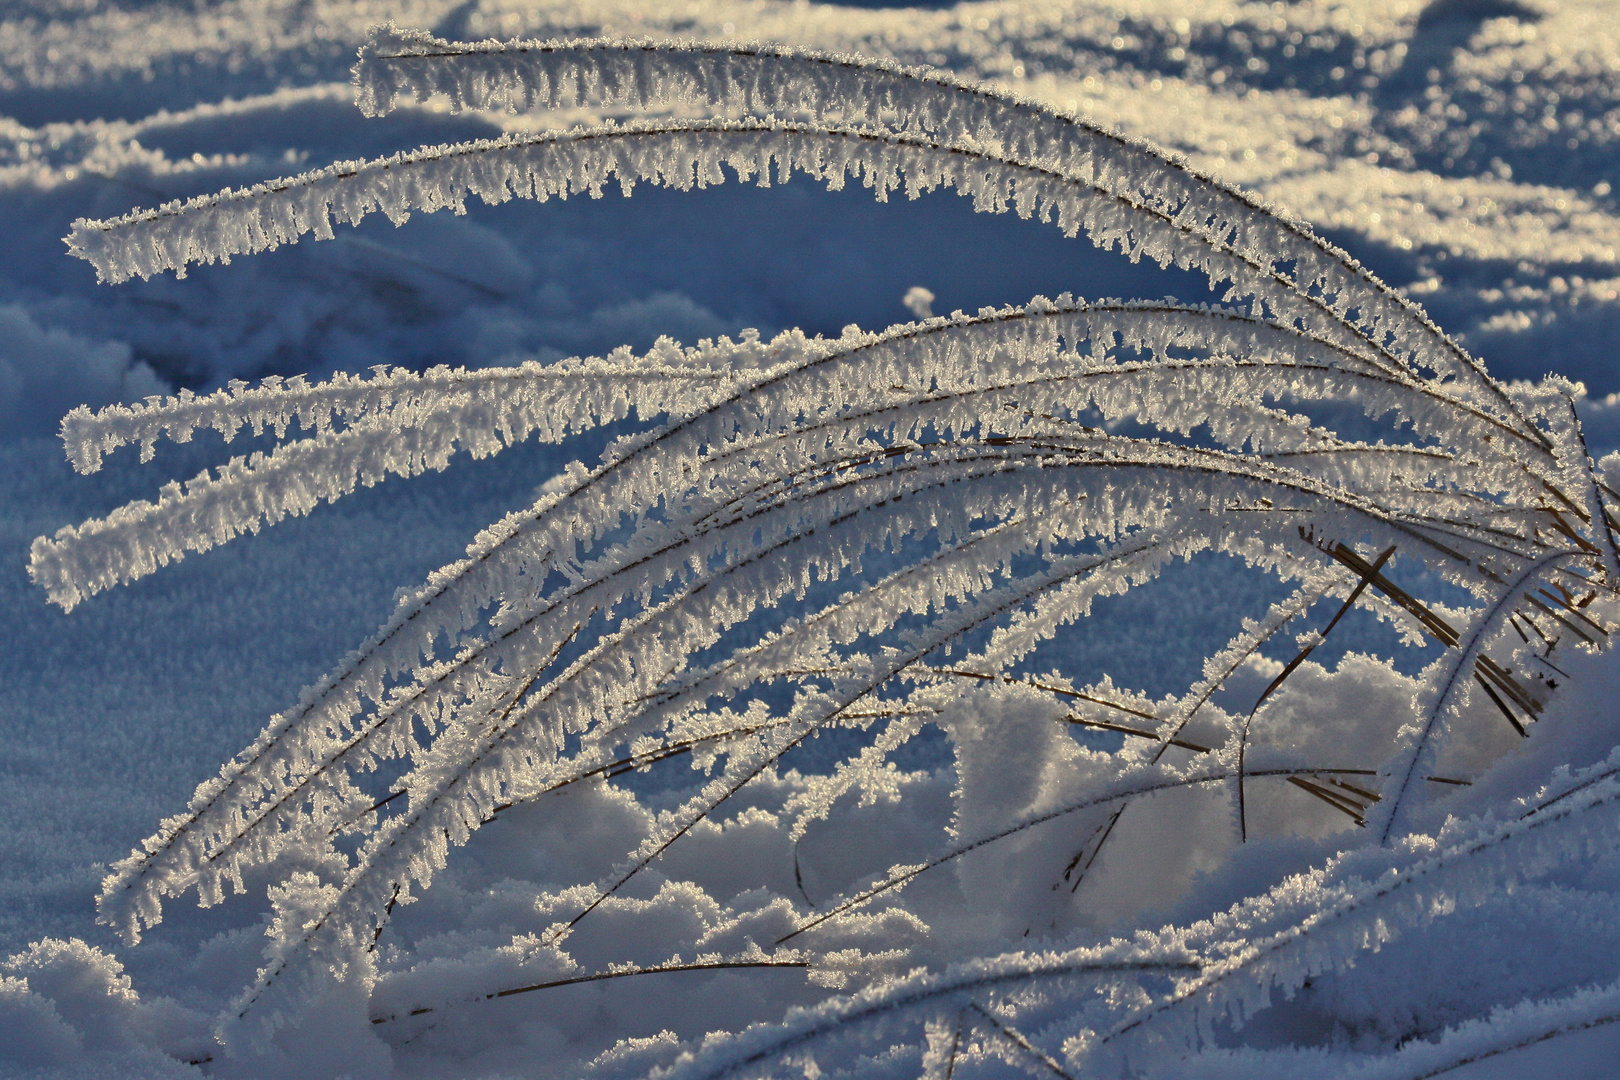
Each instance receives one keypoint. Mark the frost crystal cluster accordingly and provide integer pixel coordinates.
(901, 545)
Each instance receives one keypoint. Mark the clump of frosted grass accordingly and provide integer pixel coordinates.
(879, 535)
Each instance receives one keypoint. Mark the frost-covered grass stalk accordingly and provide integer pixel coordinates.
(892, 534)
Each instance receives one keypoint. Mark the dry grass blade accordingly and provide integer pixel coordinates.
(1350, 602)
(1501, 705)
(906, 874)
(1103, 725)
(1366, 579)
(1050, 688)
(577, 980)
(1504, 681)
(1520, 1044)
(1236, 653)
(1019, 1040)
(1361, 793)
(956, 1045)
(1080, 865)
(1451, 677)
(1442, 631)
(1356, 811)
(1566, 603)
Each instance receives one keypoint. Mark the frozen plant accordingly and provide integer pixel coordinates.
(891, 538)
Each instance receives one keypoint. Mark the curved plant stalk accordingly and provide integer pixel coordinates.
(1288, 669)
(1507, 1030)
(405, 429)
(424, 847)
(1238, 974)
(400, 65)
(600, 976)
(1121, 791)
(1479, 856)
(925, 993)
(1447, 687)
(1217, 670)
(277, 764)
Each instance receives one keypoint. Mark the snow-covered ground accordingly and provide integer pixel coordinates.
(1468, 151)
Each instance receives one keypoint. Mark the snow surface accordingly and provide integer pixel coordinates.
(1468, 152)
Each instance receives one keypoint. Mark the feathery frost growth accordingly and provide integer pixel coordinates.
(908, 544)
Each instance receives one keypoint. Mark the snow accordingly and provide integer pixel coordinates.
(1466, 153)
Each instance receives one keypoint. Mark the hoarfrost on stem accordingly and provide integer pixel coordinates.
(883, 537)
